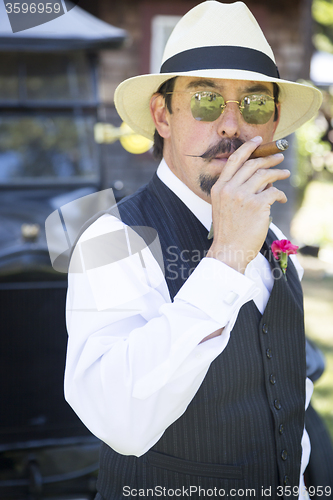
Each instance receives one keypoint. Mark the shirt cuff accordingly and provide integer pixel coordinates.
(217, 289)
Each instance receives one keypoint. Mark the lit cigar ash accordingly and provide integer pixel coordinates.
(271, 148)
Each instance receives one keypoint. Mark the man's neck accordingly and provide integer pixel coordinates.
(200, 208)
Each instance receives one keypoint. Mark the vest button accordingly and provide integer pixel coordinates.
(284, 454)
(272, 379)
(281, 429)
(269, 353)
(286, 480)
(277, 404)
(265, 328)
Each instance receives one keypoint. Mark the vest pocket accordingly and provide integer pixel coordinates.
(173, 464)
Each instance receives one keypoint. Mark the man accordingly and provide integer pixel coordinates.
(196, 382)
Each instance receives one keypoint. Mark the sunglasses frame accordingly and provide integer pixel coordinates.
(223, 106)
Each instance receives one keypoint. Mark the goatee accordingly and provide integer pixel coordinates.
(207, 182)
(224, 146)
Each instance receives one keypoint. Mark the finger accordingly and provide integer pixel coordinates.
(262, 177)
(271, 195)
(238, 158)
(250, 167)
(270, 184)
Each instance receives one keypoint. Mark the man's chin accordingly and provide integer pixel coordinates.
(207, 182)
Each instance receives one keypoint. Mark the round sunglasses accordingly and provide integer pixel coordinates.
(207, 106)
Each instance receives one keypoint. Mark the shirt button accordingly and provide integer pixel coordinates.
(286, 480)
(269, 353)
(265, 328)
(277, 404)
(284, 454)
(281, 429)
(272, 379)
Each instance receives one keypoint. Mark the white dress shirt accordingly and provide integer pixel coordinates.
(134, 359)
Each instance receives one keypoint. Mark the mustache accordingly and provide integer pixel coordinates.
(223, 146)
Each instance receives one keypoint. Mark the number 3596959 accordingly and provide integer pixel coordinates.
(33, 8)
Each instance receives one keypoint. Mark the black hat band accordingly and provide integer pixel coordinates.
(221, 57)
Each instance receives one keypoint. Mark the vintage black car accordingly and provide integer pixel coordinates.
(48, 157)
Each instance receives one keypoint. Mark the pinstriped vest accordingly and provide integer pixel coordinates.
(244, 426)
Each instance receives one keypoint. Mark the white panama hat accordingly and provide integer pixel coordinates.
(217, 40)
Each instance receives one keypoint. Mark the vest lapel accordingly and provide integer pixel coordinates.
(188, 234)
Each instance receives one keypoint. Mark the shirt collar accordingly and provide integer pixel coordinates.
(199, 207)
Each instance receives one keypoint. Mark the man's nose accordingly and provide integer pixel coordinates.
(230, 120)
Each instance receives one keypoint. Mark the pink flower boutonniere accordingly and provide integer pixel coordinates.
(281, 249)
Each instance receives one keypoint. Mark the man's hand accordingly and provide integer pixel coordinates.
(241, 202)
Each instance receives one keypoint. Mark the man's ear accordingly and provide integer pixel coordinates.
(160, 115)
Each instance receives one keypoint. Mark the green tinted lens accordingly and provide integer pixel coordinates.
(206, 106)
(257, 109)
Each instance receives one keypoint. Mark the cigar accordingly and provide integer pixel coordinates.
(271, 148)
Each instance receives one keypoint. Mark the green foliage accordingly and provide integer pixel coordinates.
(314, 140)
(322, 43)
(322, 13)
